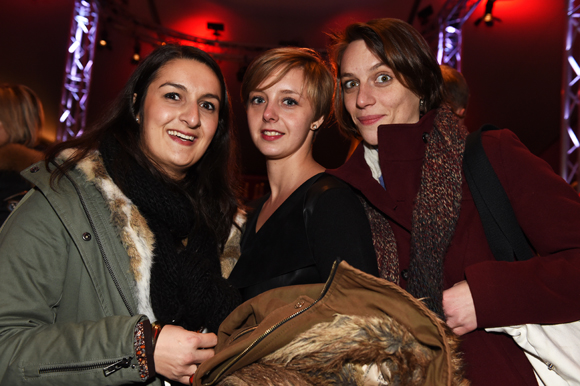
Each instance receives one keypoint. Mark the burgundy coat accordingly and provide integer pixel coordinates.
(544, 289)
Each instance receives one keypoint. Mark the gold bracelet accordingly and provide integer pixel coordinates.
(156, 331)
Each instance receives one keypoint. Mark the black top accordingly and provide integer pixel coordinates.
(283, 252)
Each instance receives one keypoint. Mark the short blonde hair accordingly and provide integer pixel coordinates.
(21, 114)
(319, 82)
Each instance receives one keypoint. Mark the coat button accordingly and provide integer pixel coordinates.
(34, 169)
(425, 137)
(87, 236)
(405, 274)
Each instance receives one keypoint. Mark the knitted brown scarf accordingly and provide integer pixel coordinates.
(435, 214)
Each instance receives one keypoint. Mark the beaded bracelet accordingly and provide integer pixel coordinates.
(156, 331)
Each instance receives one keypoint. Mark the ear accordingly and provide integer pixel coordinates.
(317, 123)
(134, 97)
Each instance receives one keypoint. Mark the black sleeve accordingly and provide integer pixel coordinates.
(339, 228)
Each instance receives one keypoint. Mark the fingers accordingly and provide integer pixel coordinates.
(202, 355)
(207, 340)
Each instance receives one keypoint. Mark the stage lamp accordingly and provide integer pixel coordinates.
(136, 53)
(216, 27)
(488, 17)
(104, 40)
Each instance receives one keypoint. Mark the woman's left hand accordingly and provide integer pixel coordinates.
(459, 309)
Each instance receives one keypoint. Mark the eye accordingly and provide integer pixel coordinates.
(349, 84)
(173, 96)
(208, 106)
(383, 78)
(257, 100)
(290, 102)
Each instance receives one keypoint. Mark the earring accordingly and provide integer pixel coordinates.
(421, 107)
(137, 119)
(314, 127)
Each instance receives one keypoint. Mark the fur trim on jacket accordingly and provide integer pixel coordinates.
(350, 350)
(134, 233)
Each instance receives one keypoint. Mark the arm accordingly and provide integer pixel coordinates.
(41, 334)
(339, 228)
(543, 289)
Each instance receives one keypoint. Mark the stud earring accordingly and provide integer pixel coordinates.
(421, 107)
(137, 119)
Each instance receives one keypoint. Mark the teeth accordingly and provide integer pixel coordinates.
(180, 135)
(271, 133)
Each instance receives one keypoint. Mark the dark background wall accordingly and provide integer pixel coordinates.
(514, 68)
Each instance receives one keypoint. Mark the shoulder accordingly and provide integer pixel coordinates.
(327, 187)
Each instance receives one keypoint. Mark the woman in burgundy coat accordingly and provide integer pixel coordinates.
(427, 233)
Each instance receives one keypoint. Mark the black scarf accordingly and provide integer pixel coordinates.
(186, 288)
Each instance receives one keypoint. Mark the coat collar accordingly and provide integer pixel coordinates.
(400, 142)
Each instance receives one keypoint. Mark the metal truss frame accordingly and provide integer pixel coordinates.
(570, 98)
(79, 65)
(452, 16)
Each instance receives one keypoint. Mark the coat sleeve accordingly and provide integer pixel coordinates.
(546, 288)
(39, 344)
(339, 228)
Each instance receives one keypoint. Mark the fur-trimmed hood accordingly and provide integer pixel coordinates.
(355, 329)
(350, 350)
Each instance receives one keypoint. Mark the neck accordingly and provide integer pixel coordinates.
(285, 176)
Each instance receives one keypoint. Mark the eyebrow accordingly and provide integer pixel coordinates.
(291, 92)
(376, 66)
(182, 87)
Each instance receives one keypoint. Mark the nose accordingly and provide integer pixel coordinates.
(189, 115)
(270, 114)
(364, 96)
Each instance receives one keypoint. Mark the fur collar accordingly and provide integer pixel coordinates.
(350, 350)
(134, 233)
(130, 226)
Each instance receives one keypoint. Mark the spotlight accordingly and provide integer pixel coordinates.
(488, 17)
(104, 40)
(216, 27)
(136, 53)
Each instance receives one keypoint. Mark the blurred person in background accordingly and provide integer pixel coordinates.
(21, 119)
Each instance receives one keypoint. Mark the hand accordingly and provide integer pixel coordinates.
(459, 309)
(179, 351)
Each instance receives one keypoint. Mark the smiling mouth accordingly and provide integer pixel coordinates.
(179, 135)
(270, 133)
(369, 119)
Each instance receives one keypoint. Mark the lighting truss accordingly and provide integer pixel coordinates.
(79, 65)
(452, 16)
(570, 98)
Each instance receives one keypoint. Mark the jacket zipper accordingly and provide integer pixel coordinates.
(274, 327)
(100, 245)
(109, 367)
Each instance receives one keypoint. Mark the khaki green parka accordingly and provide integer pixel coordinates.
(67, 304)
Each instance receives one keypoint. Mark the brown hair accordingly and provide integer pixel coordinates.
(318, 79)
(399, 46)
(21, 114)
(456, 89)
